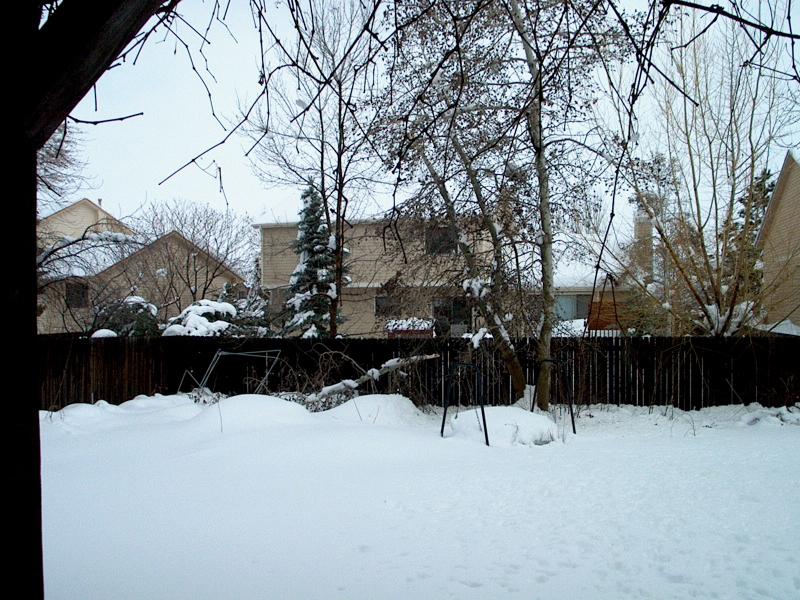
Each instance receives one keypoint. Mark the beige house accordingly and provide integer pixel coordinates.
(107, 264)
(393, 282)
(779, 239)
(78, 219)
(395, 275)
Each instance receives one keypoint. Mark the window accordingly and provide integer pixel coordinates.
(440, 240)
(455, 310)
(573, 306)
(76, 294)
(387, 306)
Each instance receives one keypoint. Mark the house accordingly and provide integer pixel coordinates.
(408, 274)
(101, 262)
(78, 219)
(779, 241)
(387, 283)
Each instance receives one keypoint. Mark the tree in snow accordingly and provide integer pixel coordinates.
(252, 311)
(130, 317)
(704, 194)
(329, 148)
(312, 283)
(488, 114)
(192, 250)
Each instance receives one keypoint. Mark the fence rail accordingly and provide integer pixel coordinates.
(688, 372)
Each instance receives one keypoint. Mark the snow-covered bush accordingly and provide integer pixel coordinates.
(104, 333)
(203, 318)
(131, 316)
(410, 324)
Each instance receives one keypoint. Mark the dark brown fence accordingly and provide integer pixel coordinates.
(683, 372)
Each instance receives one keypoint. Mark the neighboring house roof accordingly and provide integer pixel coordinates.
(172, 236)
(53, 223)
(778, 194)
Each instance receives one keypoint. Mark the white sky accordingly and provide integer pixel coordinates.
(127, 160)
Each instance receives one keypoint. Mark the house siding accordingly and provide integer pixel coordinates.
(375, 258)
(781, 248)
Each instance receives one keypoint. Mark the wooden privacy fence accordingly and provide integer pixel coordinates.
(688, 372)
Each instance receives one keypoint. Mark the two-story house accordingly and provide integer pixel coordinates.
(394, 274)
(410, 273)
(101, 260)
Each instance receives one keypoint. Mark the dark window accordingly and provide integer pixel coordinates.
(453, 310)
(440, 240)
(77, 294)
(386, 306)
(582, 302)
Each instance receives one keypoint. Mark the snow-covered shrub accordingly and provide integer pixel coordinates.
(410, 324)
(203, 318)
(104, 333)
(131, 316)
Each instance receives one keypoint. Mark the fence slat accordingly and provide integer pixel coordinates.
(687, 373)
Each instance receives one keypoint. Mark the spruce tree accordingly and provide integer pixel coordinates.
(742, 261)
(311, 283)
(252, 311)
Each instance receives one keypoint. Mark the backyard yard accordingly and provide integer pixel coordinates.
(256, 498)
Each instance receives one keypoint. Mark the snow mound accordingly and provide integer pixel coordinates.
(507, 425)
(251, 412)
(104, 333)
(141, 411)
(393, 410)
(772, 416)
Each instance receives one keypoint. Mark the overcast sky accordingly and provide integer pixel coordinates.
(127, 160)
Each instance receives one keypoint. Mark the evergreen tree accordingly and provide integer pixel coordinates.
(312, 282)
(130, 317)
(742, 261)
(253, 314)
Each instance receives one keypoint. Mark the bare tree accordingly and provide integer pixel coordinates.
(315, 129)
(189, 252)
(59, 167)
(492, 99)
(705, 191)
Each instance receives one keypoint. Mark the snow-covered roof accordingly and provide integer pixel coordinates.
(785, 327)
(571, 273)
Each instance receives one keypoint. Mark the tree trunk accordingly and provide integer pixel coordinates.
(23, 391)
(485, 309)
(536, 133)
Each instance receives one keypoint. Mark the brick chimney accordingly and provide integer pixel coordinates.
(642, 250)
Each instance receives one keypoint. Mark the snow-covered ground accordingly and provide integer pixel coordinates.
(255, 498)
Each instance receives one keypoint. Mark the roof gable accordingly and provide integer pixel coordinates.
(174, 237)
(789, 175)
(84, 213)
